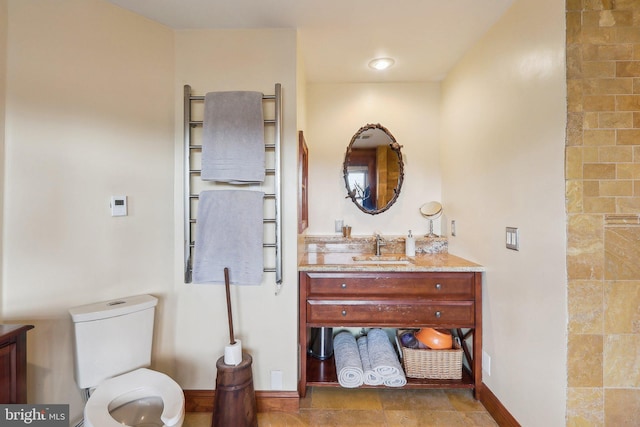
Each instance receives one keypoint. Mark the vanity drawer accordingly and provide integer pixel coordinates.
(390, 313)
(430, 285)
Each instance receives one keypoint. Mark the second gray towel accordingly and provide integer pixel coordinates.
(371, 377)
(229, 233)
(233, 137)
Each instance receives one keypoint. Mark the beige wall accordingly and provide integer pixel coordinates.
(3, 94)
(335, 113)
(603, 202)
(266, 323)
(89, 114)
(503, 133)
(301, 89)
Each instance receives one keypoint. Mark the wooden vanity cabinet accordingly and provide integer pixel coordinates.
(448, 300)
(13, 363)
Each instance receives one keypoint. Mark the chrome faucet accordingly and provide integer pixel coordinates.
(379, 242)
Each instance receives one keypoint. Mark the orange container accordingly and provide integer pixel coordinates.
(436, 339)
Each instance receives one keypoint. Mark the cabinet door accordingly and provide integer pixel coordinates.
(8, 391)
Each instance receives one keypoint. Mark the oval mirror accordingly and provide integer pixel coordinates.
(373, 169)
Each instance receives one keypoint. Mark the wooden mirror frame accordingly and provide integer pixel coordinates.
(354, 155)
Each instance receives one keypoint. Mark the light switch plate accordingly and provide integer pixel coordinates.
(512, 238)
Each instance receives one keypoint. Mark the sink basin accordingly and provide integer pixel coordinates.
(382, 259)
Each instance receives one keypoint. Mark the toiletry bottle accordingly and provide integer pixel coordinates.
(410, 245)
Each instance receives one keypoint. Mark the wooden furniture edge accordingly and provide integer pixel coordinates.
(495, 408)
(16, 334)
(267, 401)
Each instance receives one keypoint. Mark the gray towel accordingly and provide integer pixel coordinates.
(371, 377)
(229, 233)
(384, 360)
(233, 137)
(348, 364)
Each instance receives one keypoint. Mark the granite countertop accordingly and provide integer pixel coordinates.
(343, 261)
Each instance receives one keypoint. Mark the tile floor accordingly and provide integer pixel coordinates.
(325, 406)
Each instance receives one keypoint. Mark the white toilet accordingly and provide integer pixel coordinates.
(112, 352)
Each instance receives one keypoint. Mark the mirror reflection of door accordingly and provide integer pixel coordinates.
(373, 169)
(362, 177)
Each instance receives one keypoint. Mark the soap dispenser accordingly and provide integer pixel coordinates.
(410, 245)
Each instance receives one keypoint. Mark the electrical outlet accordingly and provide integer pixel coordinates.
(338, 225)
(486, 362)
(453, 227)
(276, 380)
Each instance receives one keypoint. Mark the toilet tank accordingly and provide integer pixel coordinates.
(112, 337)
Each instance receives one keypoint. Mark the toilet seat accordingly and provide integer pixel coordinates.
(130, 386)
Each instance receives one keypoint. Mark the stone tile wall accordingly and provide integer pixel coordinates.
(603, 207)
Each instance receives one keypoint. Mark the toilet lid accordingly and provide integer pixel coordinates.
(141, 383)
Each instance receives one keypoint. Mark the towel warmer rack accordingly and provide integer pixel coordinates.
(189, 173)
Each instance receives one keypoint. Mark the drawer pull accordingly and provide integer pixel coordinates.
(344, 312)
(438, 286)
(438, 314)
(343, 286)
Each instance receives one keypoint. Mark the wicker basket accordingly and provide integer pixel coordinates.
(432, 364)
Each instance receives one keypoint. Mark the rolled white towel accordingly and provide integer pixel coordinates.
(384, 360)
(370, 376)
(395, 380)
(348, 363)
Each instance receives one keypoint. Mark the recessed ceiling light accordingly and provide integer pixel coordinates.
(381, 63)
